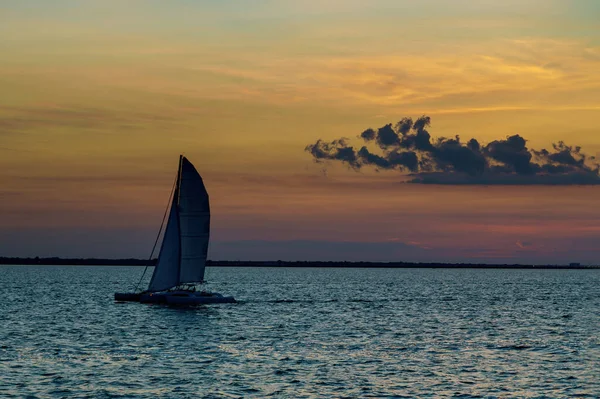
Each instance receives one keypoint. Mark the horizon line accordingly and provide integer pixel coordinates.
(58, 261)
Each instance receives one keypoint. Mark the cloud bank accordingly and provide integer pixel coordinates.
(408, 147)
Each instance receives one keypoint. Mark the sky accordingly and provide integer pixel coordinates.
(98, 99)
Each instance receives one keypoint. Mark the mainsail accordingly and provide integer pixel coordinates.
(182, 257)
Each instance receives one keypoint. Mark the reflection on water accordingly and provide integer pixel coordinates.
(304, 333)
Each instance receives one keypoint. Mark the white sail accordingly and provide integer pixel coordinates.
(194, 224)
(166, 272)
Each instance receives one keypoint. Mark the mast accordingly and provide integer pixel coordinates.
(179, 176)
(179, 217)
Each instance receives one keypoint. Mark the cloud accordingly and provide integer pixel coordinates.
(408, 146)
(337, 150)
(505, 179)
(18, 119)
(527, 245)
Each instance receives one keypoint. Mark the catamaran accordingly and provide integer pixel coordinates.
(179, 272)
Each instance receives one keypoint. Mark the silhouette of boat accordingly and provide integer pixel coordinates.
(179, 272)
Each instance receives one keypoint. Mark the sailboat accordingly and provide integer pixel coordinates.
(182, 257)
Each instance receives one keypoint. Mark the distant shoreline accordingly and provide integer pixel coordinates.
(321, 264)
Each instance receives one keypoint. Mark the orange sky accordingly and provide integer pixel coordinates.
(97, 99)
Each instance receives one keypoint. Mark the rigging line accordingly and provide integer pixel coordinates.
(159, 231)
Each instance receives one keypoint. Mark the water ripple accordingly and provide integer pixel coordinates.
(304, 333)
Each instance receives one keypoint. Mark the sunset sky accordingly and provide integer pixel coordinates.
(98, 99)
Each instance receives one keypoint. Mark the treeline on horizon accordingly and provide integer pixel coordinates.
(279, 263)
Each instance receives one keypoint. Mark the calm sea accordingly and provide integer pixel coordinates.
(303, 333)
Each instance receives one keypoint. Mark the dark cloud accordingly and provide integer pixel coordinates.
(404, 126)
(473, 145)
(513, 153)
(337, 150)
(451, 155)
(407, 159)
(387, 137)
(408, 146)
(369, 158)
(421, 123)
(368, 134)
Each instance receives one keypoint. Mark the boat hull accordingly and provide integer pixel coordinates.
(127, 297)
(175, 298)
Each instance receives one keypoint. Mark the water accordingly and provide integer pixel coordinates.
(303, 333)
